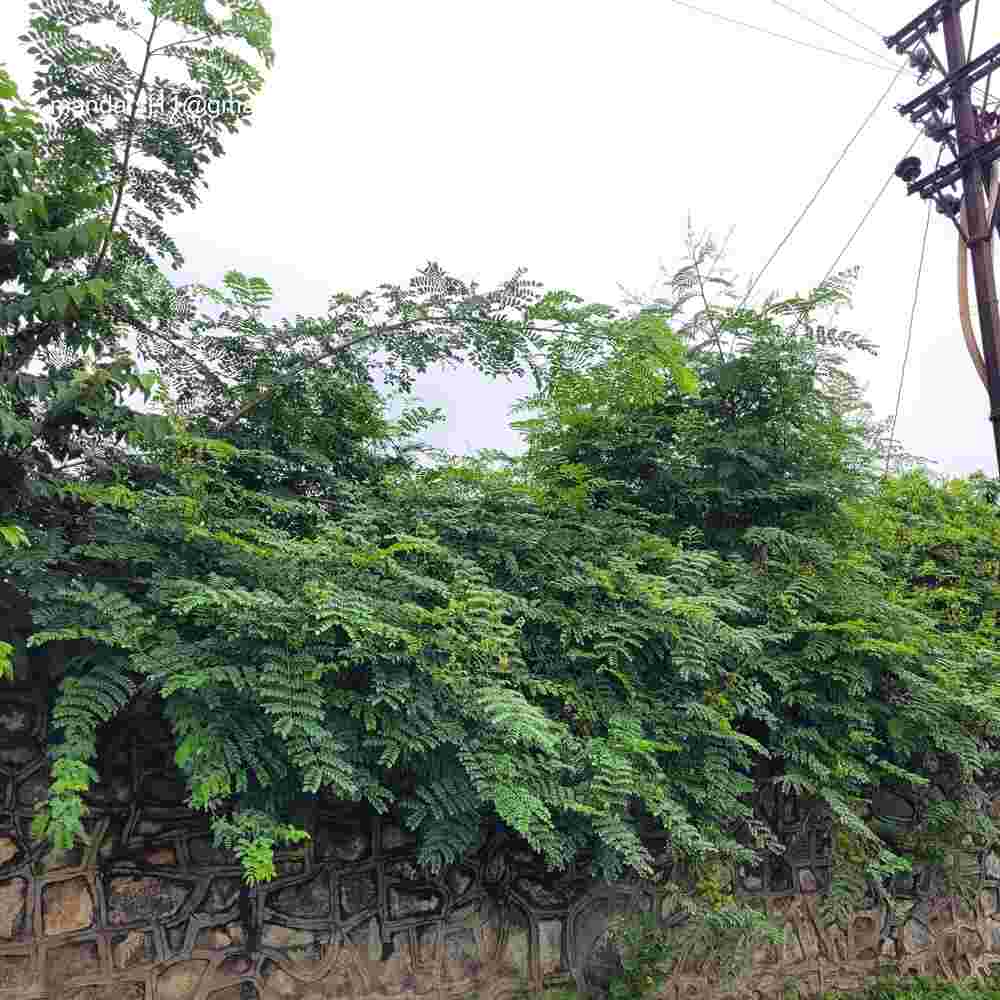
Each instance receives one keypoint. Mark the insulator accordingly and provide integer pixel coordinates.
(909, 170)
(937, 130)
(920, 60)
(948, 204)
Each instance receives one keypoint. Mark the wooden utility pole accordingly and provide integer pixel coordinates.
(974, 156)
(980, 232)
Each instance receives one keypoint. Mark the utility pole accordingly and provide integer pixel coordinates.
(974, 180)
(972, 164)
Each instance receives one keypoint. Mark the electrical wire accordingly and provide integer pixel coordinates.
(786, 38)
(826, 180)
(868, 212)
(909, 338)
(856, 20)
(926, 42)
(819, 24)
(797, 41)
(975, 24)
(942, 69)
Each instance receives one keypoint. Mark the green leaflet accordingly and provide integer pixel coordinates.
(13, 535)
(6, 661)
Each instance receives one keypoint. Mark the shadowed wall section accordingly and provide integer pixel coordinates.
(150, 910)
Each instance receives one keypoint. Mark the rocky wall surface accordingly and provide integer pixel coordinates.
(150, 910)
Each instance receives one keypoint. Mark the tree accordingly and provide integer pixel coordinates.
(252, 422)
(632, 630)
(741, 417)
(82, 204)
(750, 445)
(466, 644)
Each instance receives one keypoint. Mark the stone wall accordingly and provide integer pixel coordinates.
(149, 910)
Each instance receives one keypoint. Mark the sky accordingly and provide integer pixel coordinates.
(576, 139)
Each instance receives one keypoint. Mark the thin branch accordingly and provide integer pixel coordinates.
(708, 309)
(259, 397)
(123, 182)
(182, 41)
(123, 316)
(33, 337)
(263, 394)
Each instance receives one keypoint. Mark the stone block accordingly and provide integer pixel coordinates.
(914, 936)
(180, 981)
(67, 906)
(357, 893)
(117, 991)
(8, 849)
(550, 934)
(16, 972)
(74, 960)
(148, 899)
(304, 899)
(13, 899)
(132, 948)
(405, 903)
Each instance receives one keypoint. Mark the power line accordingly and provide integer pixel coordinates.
(866, 216)
(826, 180)
(795, 41)
(868, 212)
(875, 31)
(975, 24)
(925, 41)
(786, 38)
(856, 20)
(819, 24)
(909, 337)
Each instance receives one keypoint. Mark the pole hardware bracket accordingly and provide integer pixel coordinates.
(933, 98)
(931, 185)
(929, 21)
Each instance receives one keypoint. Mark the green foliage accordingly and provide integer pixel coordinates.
(939, 545)
(12, 535)
(48, 216)
(174, 120)
(923, 988)
(252, 837)
(733, 419)
(82, 204)
(19, 126)
(640, 625)
(707, 927)
(465, 642)
(6, 661)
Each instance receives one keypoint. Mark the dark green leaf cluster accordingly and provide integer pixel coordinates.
(665, 617)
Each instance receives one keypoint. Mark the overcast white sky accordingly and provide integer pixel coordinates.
(575, 138)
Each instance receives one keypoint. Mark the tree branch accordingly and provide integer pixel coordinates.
(126, 155)
(33, 337)
(183, 41)
(259, 397)
(8, 261)
(263, 394)
(123, 316)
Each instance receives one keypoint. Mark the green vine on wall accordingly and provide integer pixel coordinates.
(709, 925)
